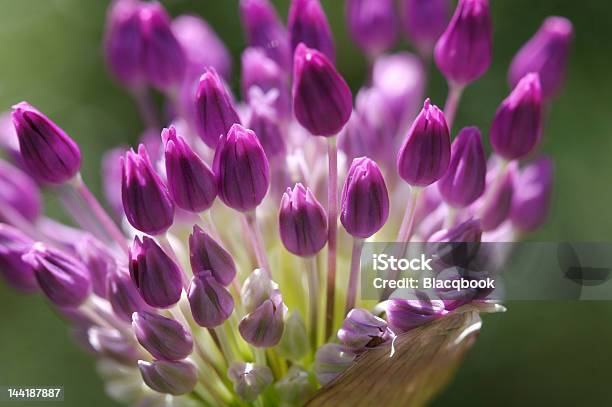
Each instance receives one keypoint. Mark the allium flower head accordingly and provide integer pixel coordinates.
(425, 154)
(464, 51)
(308, 25)
(302, 222)
(372, 24)
(63, 279)
(517, 124)
(546, 53)
(48, 153)
(424, 21)
(321, 98)
(146, 200)
(157, 277)
(365, 200)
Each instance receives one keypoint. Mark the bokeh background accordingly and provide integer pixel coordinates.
(538, 353)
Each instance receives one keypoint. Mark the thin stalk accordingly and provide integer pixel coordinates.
(452, 102)
(99, 213)
(228, 353)
(146, 107)
(351, 292)
(332, 224)
(313, 299)
(405, 232)
(257, 242)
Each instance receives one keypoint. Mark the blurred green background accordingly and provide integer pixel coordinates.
(538, 353)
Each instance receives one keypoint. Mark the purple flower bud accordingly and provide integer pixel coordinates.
(202, 46)
(19, 192)
(171, 377)
(532, 194)
(372, 24)
(517, 124)
(48, 153)
(63, 279)
(499, 203)
(205, 254)
(17, 273)
(111, 181)
(256, 289)
(464, 51)
(164, 61)
(302, 222)
(361, 329)
(157, 277)
(424, 21)
(162, 337)
(215, 113)
(322, 101)
(400, 79)
(242, 169)
(191, 182)
(249, 379)
(331, 360)
(455, 298)
(98, 260)
(469, 231)
(546, 53)
(211, 304)
(308, 25)
(263, 120)
(295, 386)
(124, 296)
(263, 327)
(123, 43)
(425, 154)
(404, 315)
(357, 138)
(464, 181)
(146, 200)
(365, 200)
(264, 29)
(110, 343)
(456, 246)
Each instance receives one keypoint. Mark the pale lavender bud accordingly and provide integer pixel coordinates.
(372, 24)
(191, 182)
(9, 142)
(404, 315)
(467, 232)
(206, 254)
(214, 111)
(63, 279)
(163, 58)
(110, 343)
(256, 289)
(517, 125)
(364, 204)
(302, 222)
(499, 203)
(294, 343)
(146, 200)
(464, 181)
(532, 195)
(464, 51)
(546, 53)
(123, 295)
(111, 181)
(242, 169)
(424, 21)
(308, 25)
(19, 192)
(249, 379)
(202, 46)
(357, 138)
(157, 277)
(264, 121)
(48, 153)
(425, 154)
(331, 360)
(361, 329)
(263, 327)
(295, 386)
(264, 29)
(18, 273)
(162, 337)
(170, 377)
(322, 101)
(211, 304)
(98, 260)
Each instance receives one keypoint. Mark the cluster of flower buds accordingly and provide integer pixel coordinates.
(205, 299)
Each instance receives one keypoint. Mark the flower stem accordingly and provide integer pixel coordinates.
(257, 242)
(225, 345)
(100, 214)
(405, 232)
(332, 224)
(452, 102)
(313, 299)
(146, 107)
(351, 292)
